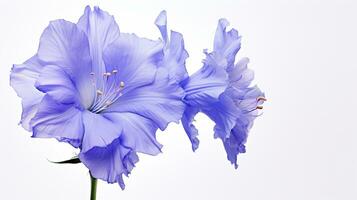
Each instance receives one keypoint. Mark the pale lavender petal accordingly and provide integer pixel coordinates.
(175, 54)
(134, 59)
(102, 30)
(160, 101)
(54, 120)
(64, 45)
(22, 79)
(224, 113)
(99, 131)
(161, 23)
(110, 162)
(139, 133)
(55, 82)
(226, 43)
(187, 123)
(208, 83)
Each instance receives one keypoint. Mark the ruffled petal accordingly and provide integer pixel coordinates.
(234, 145)
(190, 129)
(64, 45)
(99, 131)
(102, 30)
(175, 54)
(206, 85)
(55, 82)
(109, 163)
(60, 121)
(22, 79)
(160, 101)
(139, 133)
(134, 59)
(226, 43)
(224, 113)
(161, 23)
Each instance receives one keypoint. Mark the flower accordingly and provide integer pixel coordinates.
(221, 90)
(100, 90)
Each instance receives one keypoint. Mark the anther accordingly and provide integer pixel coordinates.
(261, 99)
(122, 84)
(259, 107)
(107, 74)
(99, 92)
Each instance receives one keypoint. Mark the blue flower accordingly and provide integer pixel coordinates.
(221, 90)
(100, 90)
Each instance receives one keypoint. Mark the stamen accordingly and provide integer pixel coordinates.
(99, 92)
(107, 74)
(259, 107)
(122, 84)
(261, 99)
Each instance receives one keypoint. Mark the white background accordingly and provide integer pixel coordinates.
(303, 147)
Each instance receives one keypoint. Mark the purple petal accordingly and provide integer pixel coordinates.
(135, 60)
(99, 131)
(161, 23)
(22, 79)
(139, 133)
(226, 43)
(175, 57)
(234, 145)
(109, 163)
(208, 83)
(55, 82)
(55, 120)
(159, 101)
(191, 131)
(102, 30)
(64, 45)
(224, 113)
(175, 54)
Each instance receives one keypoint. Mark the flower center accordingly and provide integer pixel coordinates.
(109, 94)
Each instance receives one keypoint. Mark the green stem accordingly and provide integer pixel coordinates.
(93, 187)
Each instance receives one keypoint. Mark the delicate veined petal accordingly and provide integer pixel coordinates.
(54, 120)
(235, 143)
(55, 82)
(22, 79)
(102, 30)
(160, 101)
(208, 83)
(175, 54)
(224, 113)
(99, 131)
(191, 131)
(109, 163)
(161, 23)
(134, 59)
(226, 43)
(64, 45)
(138, 132)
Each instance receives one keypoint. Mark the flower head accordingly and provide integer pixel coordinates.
(100, 90)
(221, 90)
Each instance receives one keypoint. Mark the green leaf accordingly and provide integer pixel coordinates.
(74, 160)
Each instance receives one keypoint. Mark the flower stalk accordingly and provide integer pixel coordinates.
(93, 187)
